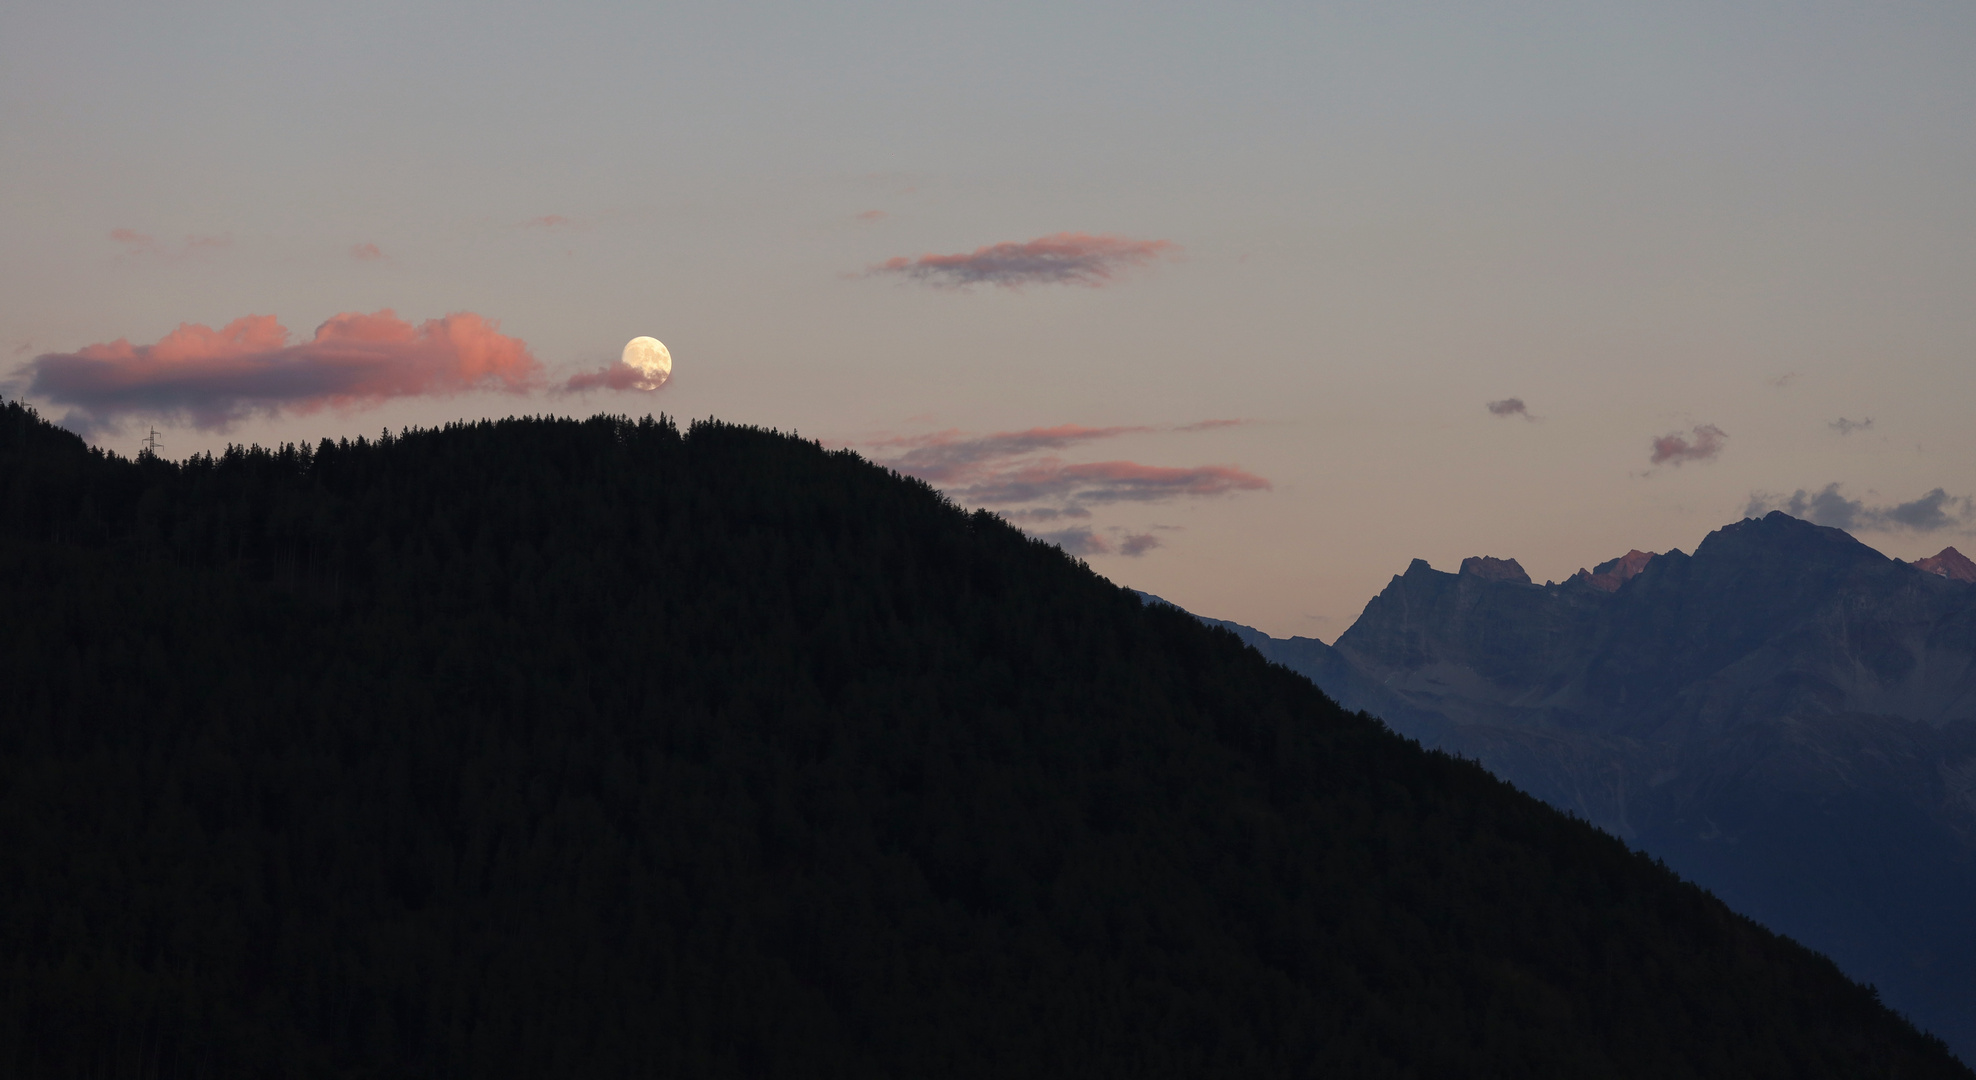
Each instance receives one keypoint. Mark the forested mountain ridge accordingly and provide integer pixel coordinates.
(599, 748)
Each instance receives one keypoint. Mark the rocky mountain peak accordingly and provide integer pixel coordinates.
(1489, 569)
(1779, 535)
(1609, 575)
(1949, 563)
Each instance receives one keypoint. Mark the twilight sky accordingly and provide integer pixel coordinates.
(1249, 303)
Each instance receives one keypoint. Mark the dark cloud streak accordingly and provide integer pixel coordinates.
(1062, 259)
(1933, 512)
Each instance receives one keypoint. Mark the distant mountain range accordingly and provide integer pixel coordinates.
(1787, 717)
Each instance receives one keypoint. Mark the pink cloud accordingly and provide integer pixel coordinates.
(1675, 448)
(546, 221)
(1063, 258)
(872, 215)
(365, 252)
(214, 378)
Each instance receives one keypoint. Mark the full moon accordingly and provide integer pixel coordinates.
(649, 358)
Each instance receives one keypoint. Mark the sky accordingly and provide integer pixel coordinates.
(1247, 304)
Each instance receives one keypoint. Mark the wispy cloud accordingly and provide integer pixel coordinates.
(1510, 406)
(547, 221)
(872, 215)
(1101, 482)
(1023, 475)
(214, 378)
(997, 466)
(952, 457)
(137, 243)
(1046, 513)
(616, 376)
(1933, 512)
(1084, 541)
(1846, 427)
(1703, 443)
(365, 252)
(645, 365)
(1078, 541)
(1061, 259)
(134, 242)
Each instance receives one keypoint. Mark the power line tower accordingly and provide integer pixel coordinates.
(151, 443)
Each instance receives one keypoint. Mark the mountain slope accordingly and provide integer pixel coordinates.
(557, 748)
(1787, 716)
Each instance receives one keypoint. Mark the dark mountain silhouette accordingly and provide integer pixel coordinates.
(556, 748)
(1787, 716)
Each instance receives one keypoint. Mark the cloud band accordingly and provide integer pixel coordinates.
(1933, 512)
